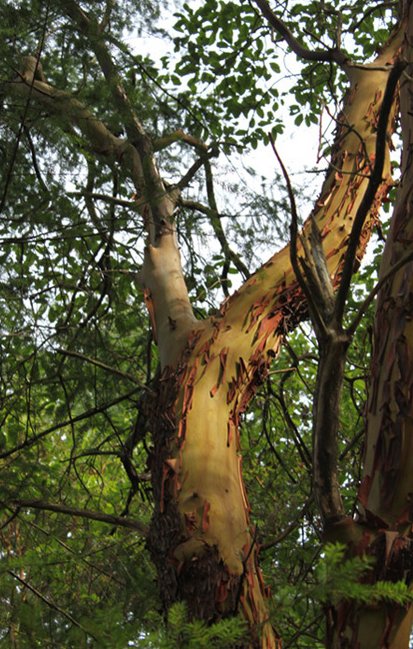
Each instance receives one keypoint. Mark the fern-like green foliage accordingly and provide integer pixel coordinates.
(180, 633)
(339, 578)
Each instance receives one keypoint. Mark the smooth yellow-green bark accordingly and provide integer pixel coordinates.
(228, 355)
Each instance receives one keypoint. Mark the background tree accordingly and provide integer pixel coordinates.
(113, 226)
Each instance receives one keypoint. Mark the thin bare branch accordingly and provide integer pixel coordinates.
(80, 513)
(35, 63)
(51, 604)
(217, 225)
(122, 202)
(28, 442)
(288, 530)
(187, 177)
(370, 297)
(295, 262)
(103, 366)
(34, 160)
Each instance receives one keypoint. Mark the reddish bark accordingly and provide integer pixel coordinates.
(383, 529)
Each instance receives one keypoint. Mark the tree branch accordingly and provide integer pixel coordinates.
(217, 225)
(288, 530)
(81, 513)
(68, 422)
(370, 297)
(35, 71)
(134, 129)
(369, 195)
(62, 105)
(187, 177)
(152, 187)
(51, 604)
(342, 191)
(179, 136)
(107, 199)
(329, 55)
(97, 363)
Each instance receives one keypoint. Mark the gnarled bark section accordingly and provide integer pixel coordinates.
(202, 516)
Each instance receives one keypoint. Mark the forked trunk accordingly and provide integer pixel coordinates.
(202, 540)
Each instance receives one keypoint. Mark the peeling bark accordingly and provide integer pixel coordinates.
(202, 521)
(201, 539)
(388, 471)
(383, 529)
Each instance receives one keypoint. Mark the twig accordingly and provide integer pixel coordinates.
(25, 112)
(368, 300)
(85, 415)
(217, 225)
(107, 199)
(103, 366)
(34, 160)
(51, 604)
(287, 531)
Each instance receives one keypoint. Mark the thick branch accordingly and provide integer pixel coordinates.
(230, 354)
(90, 28)
(330, 55)
(179, 136)
(374, 182)
(162, 276)
(161, 202)
(326, 413)
(65, 108)
(259, 304)
(387, 484)
(165, 290)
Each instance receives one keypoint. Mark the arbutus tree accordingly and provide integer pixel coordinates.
(201, 537)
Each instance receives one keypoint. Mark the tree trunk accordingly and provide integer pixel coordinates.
(202, 540)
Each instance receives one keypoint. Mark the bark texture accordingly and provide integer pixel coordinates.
(202, 539)
(383, 528)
